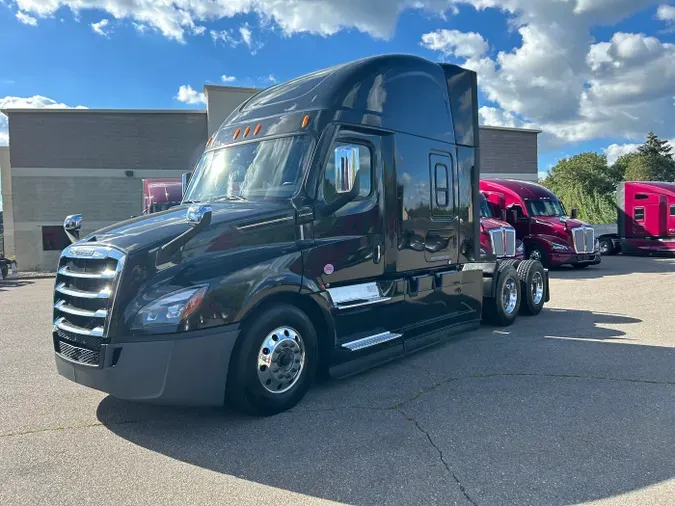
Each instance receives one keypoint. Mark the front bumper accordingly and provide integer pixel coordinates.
(558, 259)
(176, 369)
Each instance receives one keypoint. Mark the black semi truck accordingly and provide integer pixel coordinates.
(331, 224)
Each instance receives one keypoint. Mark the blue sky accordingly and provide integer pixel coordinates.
(592, 74)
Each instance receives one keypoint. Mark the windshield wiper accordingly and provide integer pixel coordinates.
(229, 197)
(191, 201)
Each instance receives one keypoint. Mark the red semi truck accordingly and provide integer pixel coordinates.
(160, 194)
(541, 222)
(645, 219)
(498, 237)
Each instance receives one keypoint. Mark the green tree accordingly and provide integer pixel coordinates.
(655, 146)
(650, 167)
(585, 182)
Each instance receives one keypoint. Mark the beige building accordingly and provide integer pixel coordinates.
(93, 162)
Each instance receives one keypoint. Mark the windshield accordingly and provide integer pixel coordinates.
(268, 169)
(544, 208)
(485, 211)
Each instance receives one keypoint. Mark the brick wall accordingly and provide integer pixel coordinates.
(508, 151)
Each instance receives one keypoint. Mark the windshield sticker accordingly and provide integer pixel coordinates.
(329, 269)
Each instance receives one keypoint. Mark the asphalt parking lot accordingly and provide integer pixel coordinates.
(574, 406)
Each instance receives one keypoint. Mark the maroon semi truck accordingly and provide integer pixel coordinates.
(497, 236)
(541, 222)
(160, 194)
(645, 219)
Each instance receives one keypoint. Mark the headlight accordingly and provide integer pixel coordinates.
(170, 309)
(520, 247)
(560, 247)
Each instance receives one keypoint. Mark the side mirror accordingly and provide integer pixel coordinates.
(574, 214)
(72, 225)
(503, 214)
(185, 180)
(347, 180)
(199, 215)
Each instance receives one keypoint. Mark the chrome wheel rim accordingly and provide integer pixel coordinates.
(604, 247)
(537, 288)
(281, 360)
(535, 255)
(510, 295)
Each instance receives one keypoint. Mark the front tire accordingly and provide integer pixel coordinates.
(607, 246)
(533, 286)
(502, 310)
(273, 363)
(537, 253)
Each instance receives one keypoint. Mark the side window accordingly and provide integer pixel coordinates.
(442, 187)
(639, 214)
(328, 190)
(672, 210)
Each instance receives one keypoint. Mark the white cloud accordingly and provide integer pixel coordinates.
(188, 95)
(34, 102)
(666, 13)
(496, 117)
(26, 19)
(454, 42)
(102, 27)
(246, 35)
(228, 79)
(270, 79)
(615, 151)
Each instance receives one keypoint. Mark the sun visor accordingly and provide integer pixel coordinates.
(463, 91)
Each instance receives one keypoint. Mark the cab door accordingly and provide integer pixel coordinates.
(347, 259)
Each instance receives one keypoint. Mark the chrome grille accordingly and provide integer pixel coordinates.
(86, 282)
(503, 242)
(584, 239)
(510, 241)
(497, 239)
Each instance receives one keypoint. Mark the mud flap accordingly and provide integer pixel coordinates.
(548, 293)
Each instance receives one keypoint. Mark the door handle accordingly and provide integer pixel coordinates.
(378, 254)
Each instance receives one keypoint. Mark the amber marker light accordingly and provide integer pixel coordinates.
(236, 133)
(257, 129)
(305, 121)
(247, 131)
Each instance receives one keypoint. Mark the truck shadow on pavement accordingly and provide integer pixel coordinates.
(617, 266)
(6, 285)
(557, 409)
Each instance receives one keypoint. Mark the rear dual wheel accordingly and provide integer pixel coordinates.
(503, 309)
(533, 285)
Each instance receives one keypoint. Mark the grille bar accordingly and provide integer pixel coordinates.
(74, 292)
(77, 354)
(510, 241)
(584, 239)
(62, 324)
(63, 306)
(107, 274)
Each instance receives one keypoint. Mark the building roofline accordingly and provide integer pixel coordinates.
(12, 110)
(230, 88)
(511, 129)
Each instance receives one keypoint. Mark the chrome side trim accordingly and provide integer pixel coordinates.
(263, 223)
(64, 325)
(87, 275)
(74, 292)
(369, 341)
(351, 296)
(65, 308)
(364, 303)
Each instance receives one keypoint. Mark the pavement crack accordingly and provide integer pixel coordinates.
(452, 379)
(440, 455)
(68, 427)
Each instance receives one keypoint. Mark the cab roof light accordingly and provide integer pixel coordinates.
(236, 133)
(305, 121)
(208, 143)
(247, 131)
(257, 129)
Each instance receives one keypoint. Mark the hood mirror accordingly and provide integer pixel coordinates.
(72, 225)
(199, 214)
(185, 180)
(574, 214)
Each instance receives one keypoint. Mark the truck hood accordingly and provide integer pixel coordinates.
(558, 222)
(492, 223)
(149, 231)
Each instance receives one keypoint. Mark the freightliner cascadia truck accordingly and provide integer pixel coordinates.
(331, 224)
(645, 220)
(541, 222)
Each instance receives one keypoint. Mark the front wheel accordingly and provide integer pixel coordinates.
(537, 253)
(503, 308)
(607, 246)
(274, 362)
(533, 285)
